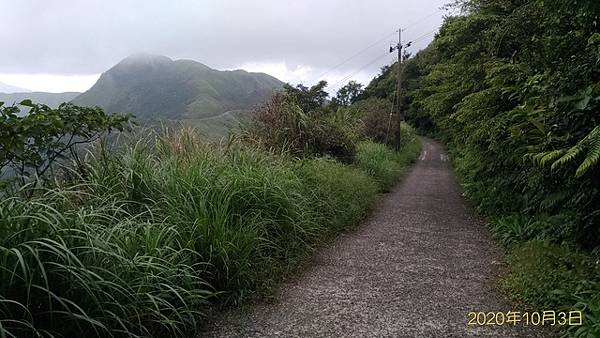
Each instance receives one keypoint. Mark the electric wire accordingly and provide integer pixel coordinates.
(376, 43)
(347, 77)
(355, 55)
(420, 37)
(414, 23)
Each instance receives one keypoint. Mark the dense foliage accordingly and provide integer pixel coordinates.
(299, 121)
(151, 230)
(282, 125)
(33, 140)
(348, 94)
(514, 88)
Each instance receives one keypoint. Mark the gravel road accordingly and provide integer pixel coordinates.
(415, 268)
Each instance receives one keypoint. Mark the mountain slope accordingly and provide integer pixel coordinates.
(6, 88)
(156, 87)
(50, 99)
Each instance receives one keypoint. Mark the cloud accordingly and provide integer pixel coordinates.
(294, 75)
(305, 74)
(63, 37)
(52, 83)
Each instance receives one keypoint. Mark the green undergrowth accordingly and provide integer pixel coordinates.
(154, 233)
(549, 270)
(384, 164)
(552, 276)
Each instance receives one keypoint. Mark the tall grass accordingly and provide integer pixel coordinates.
(74, 263)
(382, 163)
(155, 232)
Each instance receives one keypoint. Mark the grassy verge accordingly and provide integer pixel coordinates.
(548, 270)
(385, 165)
(160, 230)
(552, 276)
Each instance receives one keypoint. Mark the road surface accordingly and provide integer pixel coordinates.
(415, 268)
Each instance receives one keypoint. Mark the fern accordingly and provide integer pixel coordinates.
(569, 155)
(547, 156)
(593, 145)
(560, 157)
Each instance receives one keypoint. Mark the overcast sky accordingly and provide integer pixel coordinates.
(60, 45)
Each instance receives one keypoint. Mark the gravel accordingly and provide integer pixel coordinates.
(415, 268)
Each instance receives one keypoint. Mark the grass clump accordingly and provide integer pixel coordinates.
(382, 163)
(155, 231)
(332, 187)
(76, 263)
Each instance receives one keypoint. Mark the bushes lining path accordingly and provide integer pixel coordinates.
(158, 231)
(415, 268)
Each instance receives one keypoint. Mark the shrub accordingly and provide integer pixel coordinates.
(513, 229)
(377, 125)
(31, 143)
(159, 228)
(283, 126)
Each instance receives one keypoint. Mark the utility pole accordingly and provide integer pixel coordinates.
(398, 112)
(397, 107)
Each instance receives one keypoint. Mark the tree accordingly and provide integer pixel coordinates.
(348, 94)
(308, 99)
(514, 88)
(33, 142)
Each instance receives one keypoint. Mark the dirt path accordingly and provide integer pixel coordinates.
(418, 265)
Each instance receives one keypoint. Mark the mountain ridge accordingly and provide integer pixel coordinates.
(5, 88)
(155, 86)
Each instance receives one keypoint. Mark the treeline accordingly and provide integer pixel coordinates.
(142, 233)
(513, 87)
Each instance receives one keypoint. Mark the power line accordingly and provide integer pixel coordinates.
(420, 37)
(375, 43)
(355, 55)
(423, 18)
(347, 77)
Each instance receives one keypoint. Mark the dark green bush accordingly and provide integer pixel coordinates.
(34, 136)
(513, 88)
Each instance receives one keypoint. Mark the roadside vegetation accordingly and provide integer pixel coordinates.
(513, 88)
(142, 232)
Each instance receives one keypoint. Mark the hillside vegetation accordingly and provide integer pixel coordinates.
(143, 236)
(513, 87)
(154, 87)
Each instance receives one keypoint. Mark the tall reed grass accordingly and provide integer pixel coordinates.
(155, 232)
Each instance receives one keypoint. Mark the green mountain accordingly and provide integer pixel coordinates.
(50, 99)
(156, 87)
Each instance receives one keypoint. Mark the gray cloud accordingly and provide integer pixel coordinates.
(84, 37)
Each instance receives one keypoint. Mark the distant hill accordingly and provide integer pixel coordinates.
(50, 99)
(156, 87)
(6, 88)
